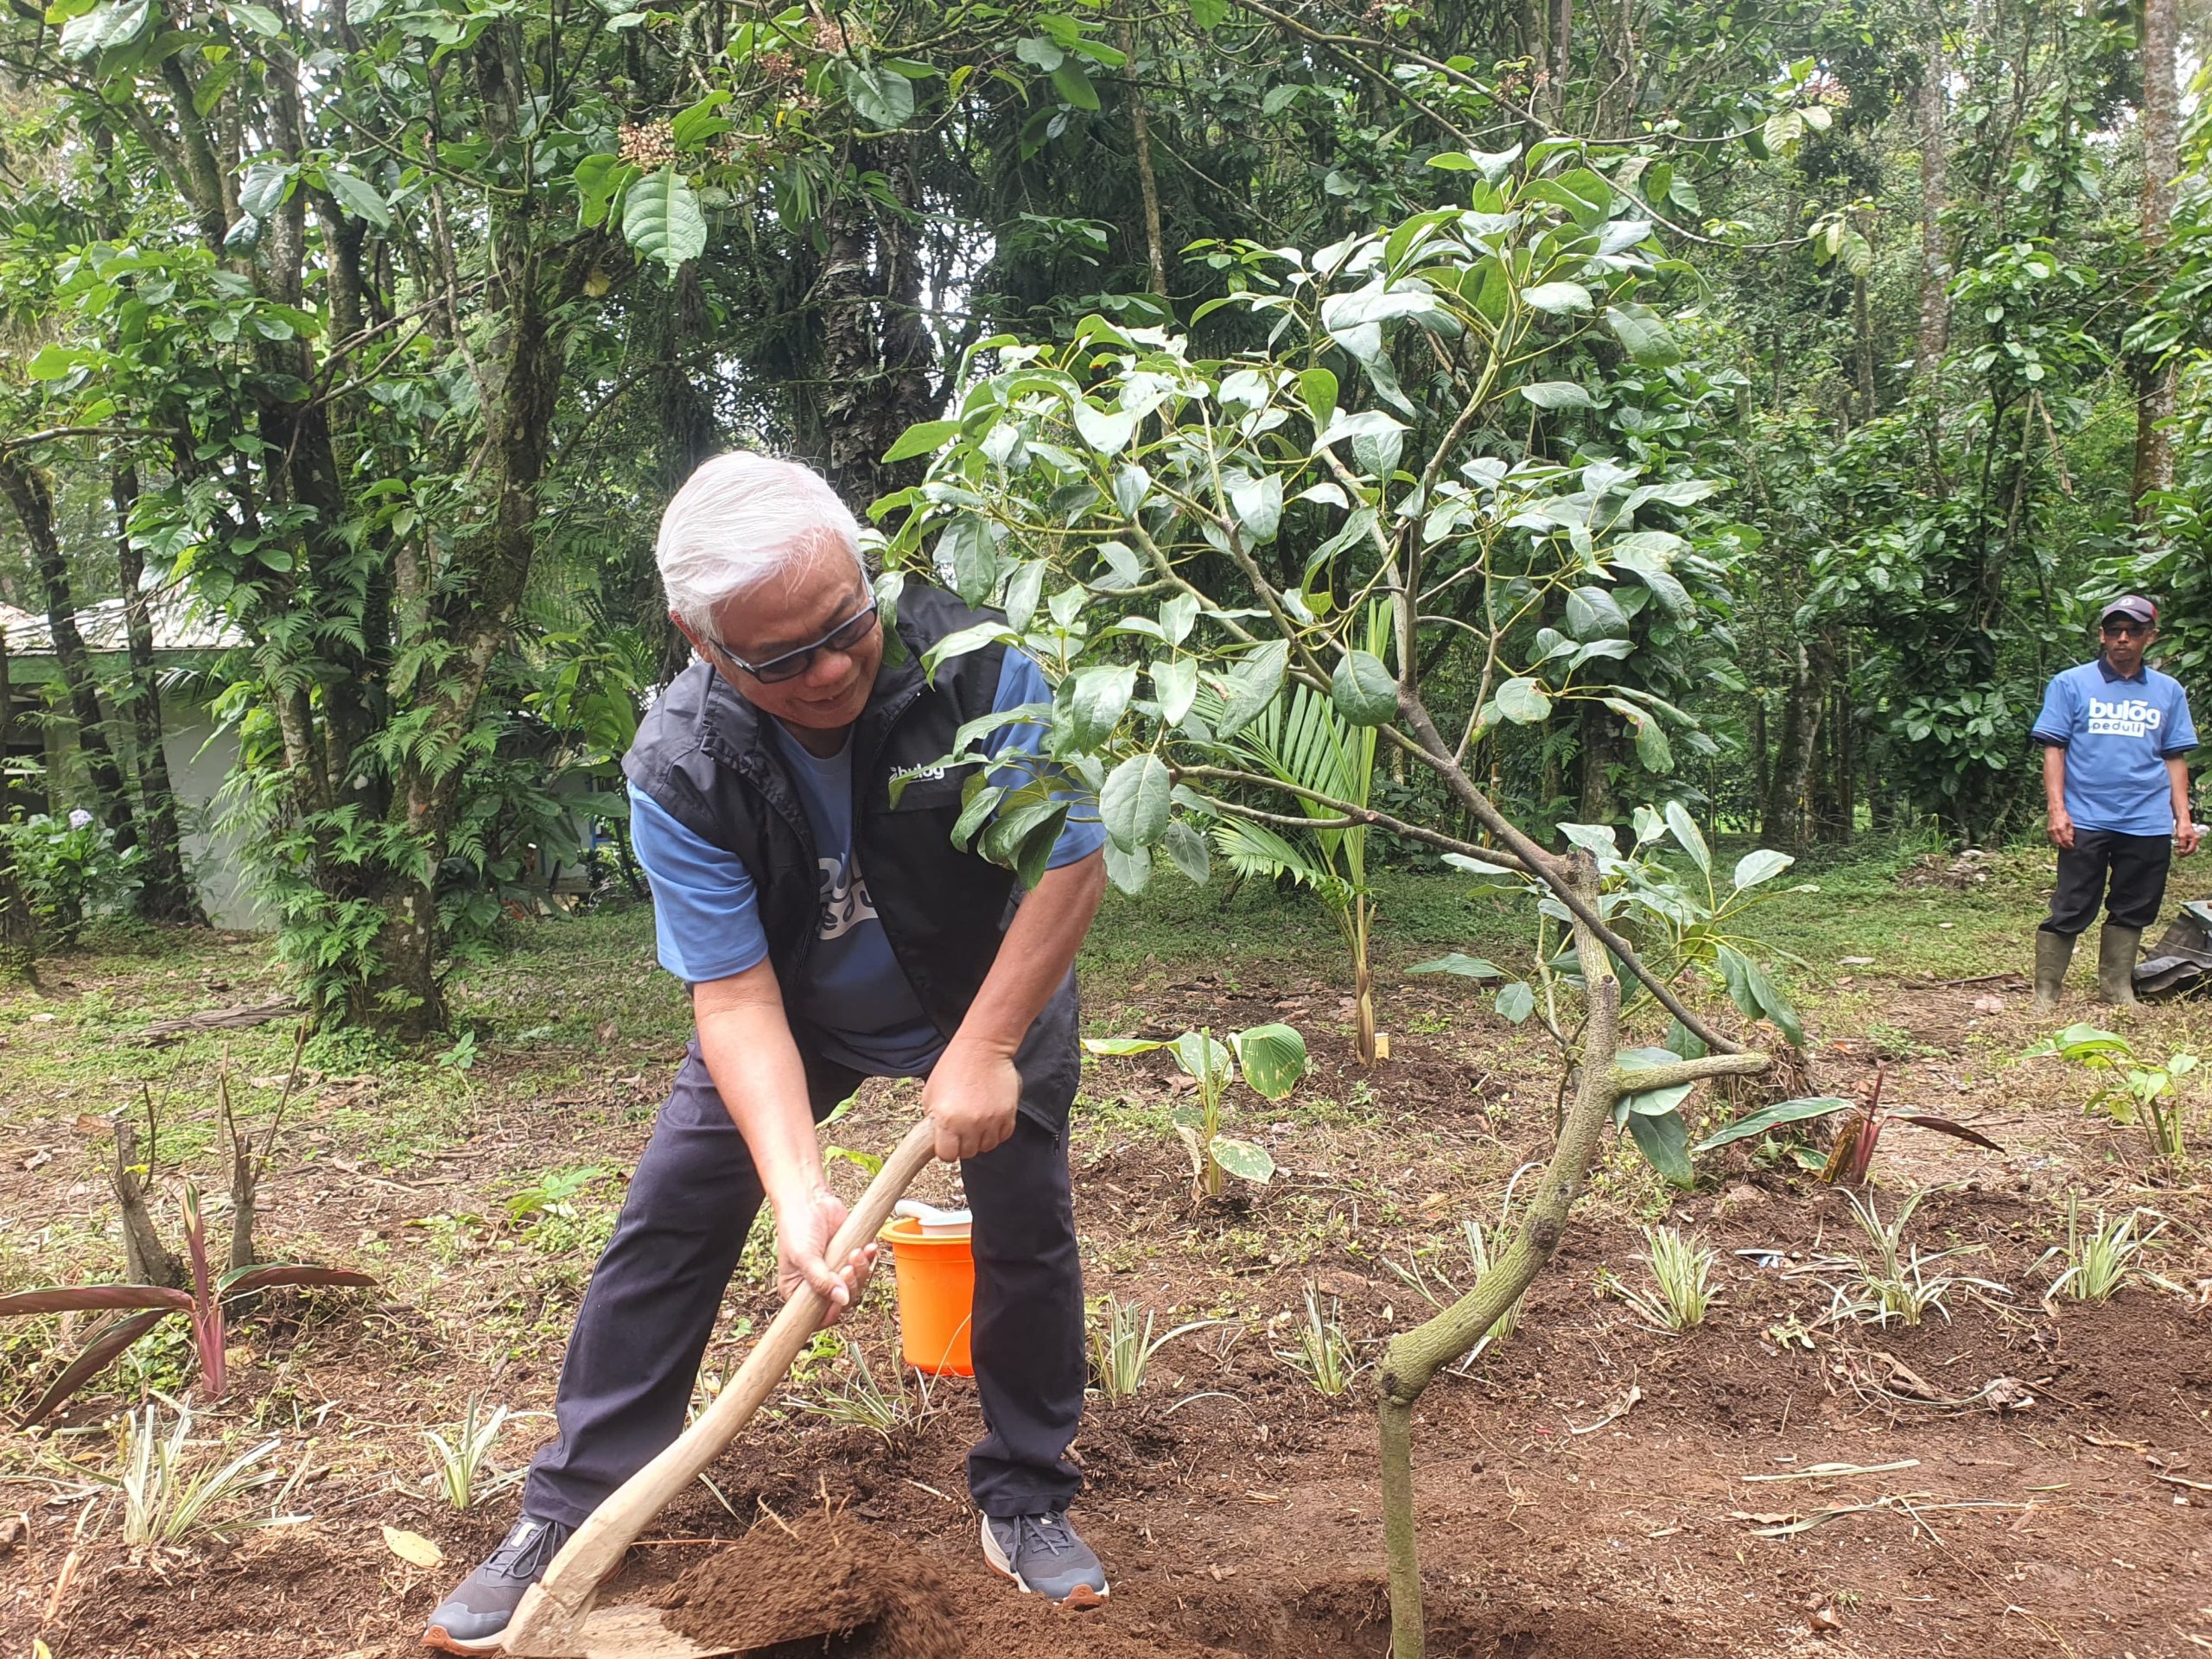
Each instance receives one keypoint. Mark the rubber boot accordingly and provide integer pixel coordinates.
(2053, 952)
(2117, 948)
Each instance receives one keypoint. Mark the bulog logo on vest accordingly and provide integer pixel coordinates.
(2134, 718)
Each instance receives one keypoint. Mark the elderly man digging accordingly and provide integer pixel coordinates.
(2115, 783)
(828, 935)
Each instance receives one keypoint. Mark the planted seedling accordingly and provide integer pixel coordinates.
(1852, 1155)
(461, 1466)
(2100, 1263)
(1681, 1271)
(1121, 1350)
(165, 1501)
(2134, 1091)
(1896, 1283)
(862, 1400)
(139, 1308)
(1324, 1356)
(1273, 1059)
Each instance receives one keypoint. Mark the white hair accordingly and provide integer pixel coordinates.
(739, 519)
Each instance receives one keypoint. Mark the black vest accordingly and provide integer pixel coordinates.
(701, 755)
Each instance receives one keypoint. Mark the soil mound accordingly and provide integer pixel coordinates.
(827, 1585)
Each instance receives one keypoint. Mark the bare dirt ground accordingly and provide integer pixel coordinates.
(2017, 1479)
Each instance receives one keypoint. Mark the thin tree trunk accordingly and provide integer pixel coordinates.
(1785, 815)
(27, 491)
(2154, 381)
(1125, 36)
(165, 895)
(1596, 757)
(1935, 261)
(1413, 1358)
(1561, 48)
(18, 927)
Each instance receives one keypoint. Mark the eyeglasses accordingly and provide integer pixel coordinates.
(2141, 628)
(792, 664)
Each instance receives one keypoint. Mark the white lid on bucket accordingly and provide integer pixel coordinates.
(933, 1222)
(932, 1219)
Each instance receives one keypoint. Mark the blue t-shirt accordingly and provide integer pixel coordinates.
(853, 996)
(2118, 734)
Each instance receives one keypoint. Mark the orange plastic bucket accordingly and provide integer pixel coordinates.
(936, 1275)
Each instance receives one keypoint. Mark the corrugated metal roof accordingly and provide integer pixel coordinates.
(178, 624)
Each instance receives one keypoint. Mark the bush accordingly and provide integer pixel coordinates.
(70, 871)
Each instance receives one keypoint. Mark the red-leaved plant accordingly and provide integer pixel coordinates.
(139, 1308)
(1852, 1153)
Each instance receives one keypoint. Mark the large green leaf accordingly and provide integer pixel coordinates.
(1204, 1057)
(1773, 1117)
(117, 22)
(1243, 1158)
(1761, 866)
(1254, 684)
(1556, 297)
(1750, 990)
(1522, 701)
(1664, 1141)
(1364, 690)
(922, 438)
(1135, 802)
(1096, 699)
(1457, 962)
(1593, 613)
(1688, 836)
(661, 219)
(880, 95)
(1176, 685)
(1273, 1059)
(1187, 849)
(358, 197)
(1121, 1044)
(1516, 1001)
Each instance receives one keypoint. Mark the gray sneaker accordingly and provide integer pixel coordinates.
(1043, 1554)
(474, 1616)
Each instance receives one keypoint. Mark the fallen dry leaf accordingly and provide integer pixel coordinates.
(1989, 1005)
(1824, 1619)
(412, 1548)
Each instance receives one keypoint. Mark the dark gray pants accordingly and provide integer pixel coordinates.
(654, 1297)
(2136, 866)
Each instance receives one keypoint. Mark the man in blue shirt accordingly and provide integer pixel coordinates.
(2116, 735)
(790, 808)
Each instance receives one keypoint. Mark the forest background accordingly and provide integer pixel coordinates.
(379, 333)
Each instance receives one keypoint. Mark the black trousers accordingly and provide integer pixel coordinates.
(2136, 868)
(657, 1291)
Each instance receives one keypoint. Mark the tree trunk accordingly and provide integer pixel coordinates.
(1934, 262)
(1862, 329)
(165, 895)
(18, 927)
(1413, 1358)
(2154, 379)
(1786, 815)
(1125, 36)
(1595, 756)
(27, 491)
(1560, 44)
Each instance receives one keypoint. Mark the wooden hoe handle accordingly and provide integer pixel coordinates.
(552, 1612)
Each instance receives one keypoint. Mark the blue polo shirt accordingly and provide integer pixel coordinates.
(2117, 733)
(853, 999)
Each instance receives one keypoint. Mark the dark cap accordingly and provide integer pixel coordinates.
(2132, 606)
